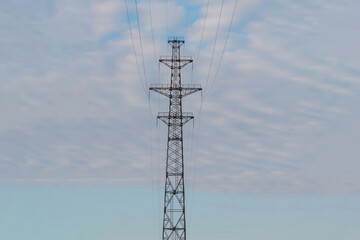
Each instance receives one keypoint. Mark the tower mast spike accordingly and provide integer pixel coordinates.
(174, 224)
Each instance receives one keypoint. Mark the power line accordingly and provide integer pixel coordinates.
(141, 46)
(144, 85)
(151, 117)
(200, 111)
(213, 51)
(152, 30)
(152, 171)
(167, 19)
(223, 51)
(187, 21)
(202, 33)
(202, 99)
(202, 102)
(187, 14)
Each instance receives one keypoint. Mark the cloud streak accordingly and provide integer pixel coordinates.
(275, 121)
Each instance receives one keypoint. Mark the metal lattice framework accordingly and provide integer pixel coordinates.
(174, 225)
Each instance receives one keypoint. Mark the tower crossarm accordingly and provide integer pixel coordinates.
(170, 60)
(178, 120)
(184, 89)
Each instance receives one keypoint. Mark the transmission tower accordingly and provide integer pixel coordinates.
(174, 225)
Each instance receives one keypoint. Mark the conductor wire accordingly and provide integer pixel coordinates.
(141, 45)
(213, 51)
(202, 33)
(152, 30)
(226, 41)
(134, 49)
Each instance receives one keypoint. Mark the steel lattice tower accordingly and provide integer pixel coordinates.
(174, 225)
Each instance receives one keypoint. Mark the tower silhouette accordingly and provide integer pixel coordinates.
(174, 224)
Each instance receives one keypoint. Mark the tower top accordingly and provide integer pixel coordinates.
(176, 40)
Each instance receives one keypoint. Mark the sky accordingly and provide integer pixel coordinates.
(273, 151)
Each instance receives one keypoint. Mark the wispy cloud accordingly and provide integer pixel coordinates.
(74, 111)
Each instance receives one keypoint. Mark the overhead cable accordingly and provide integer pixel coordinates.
(223, 51)
(213, 51)
(152, 30)
(202, 33)
(141, 46)
(134, 49)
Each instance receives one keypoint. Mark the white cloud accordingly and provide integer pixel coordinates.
(75, 111)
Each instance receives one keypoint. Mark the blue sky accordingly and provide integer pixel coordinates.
(108, 212)
(280, 124)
